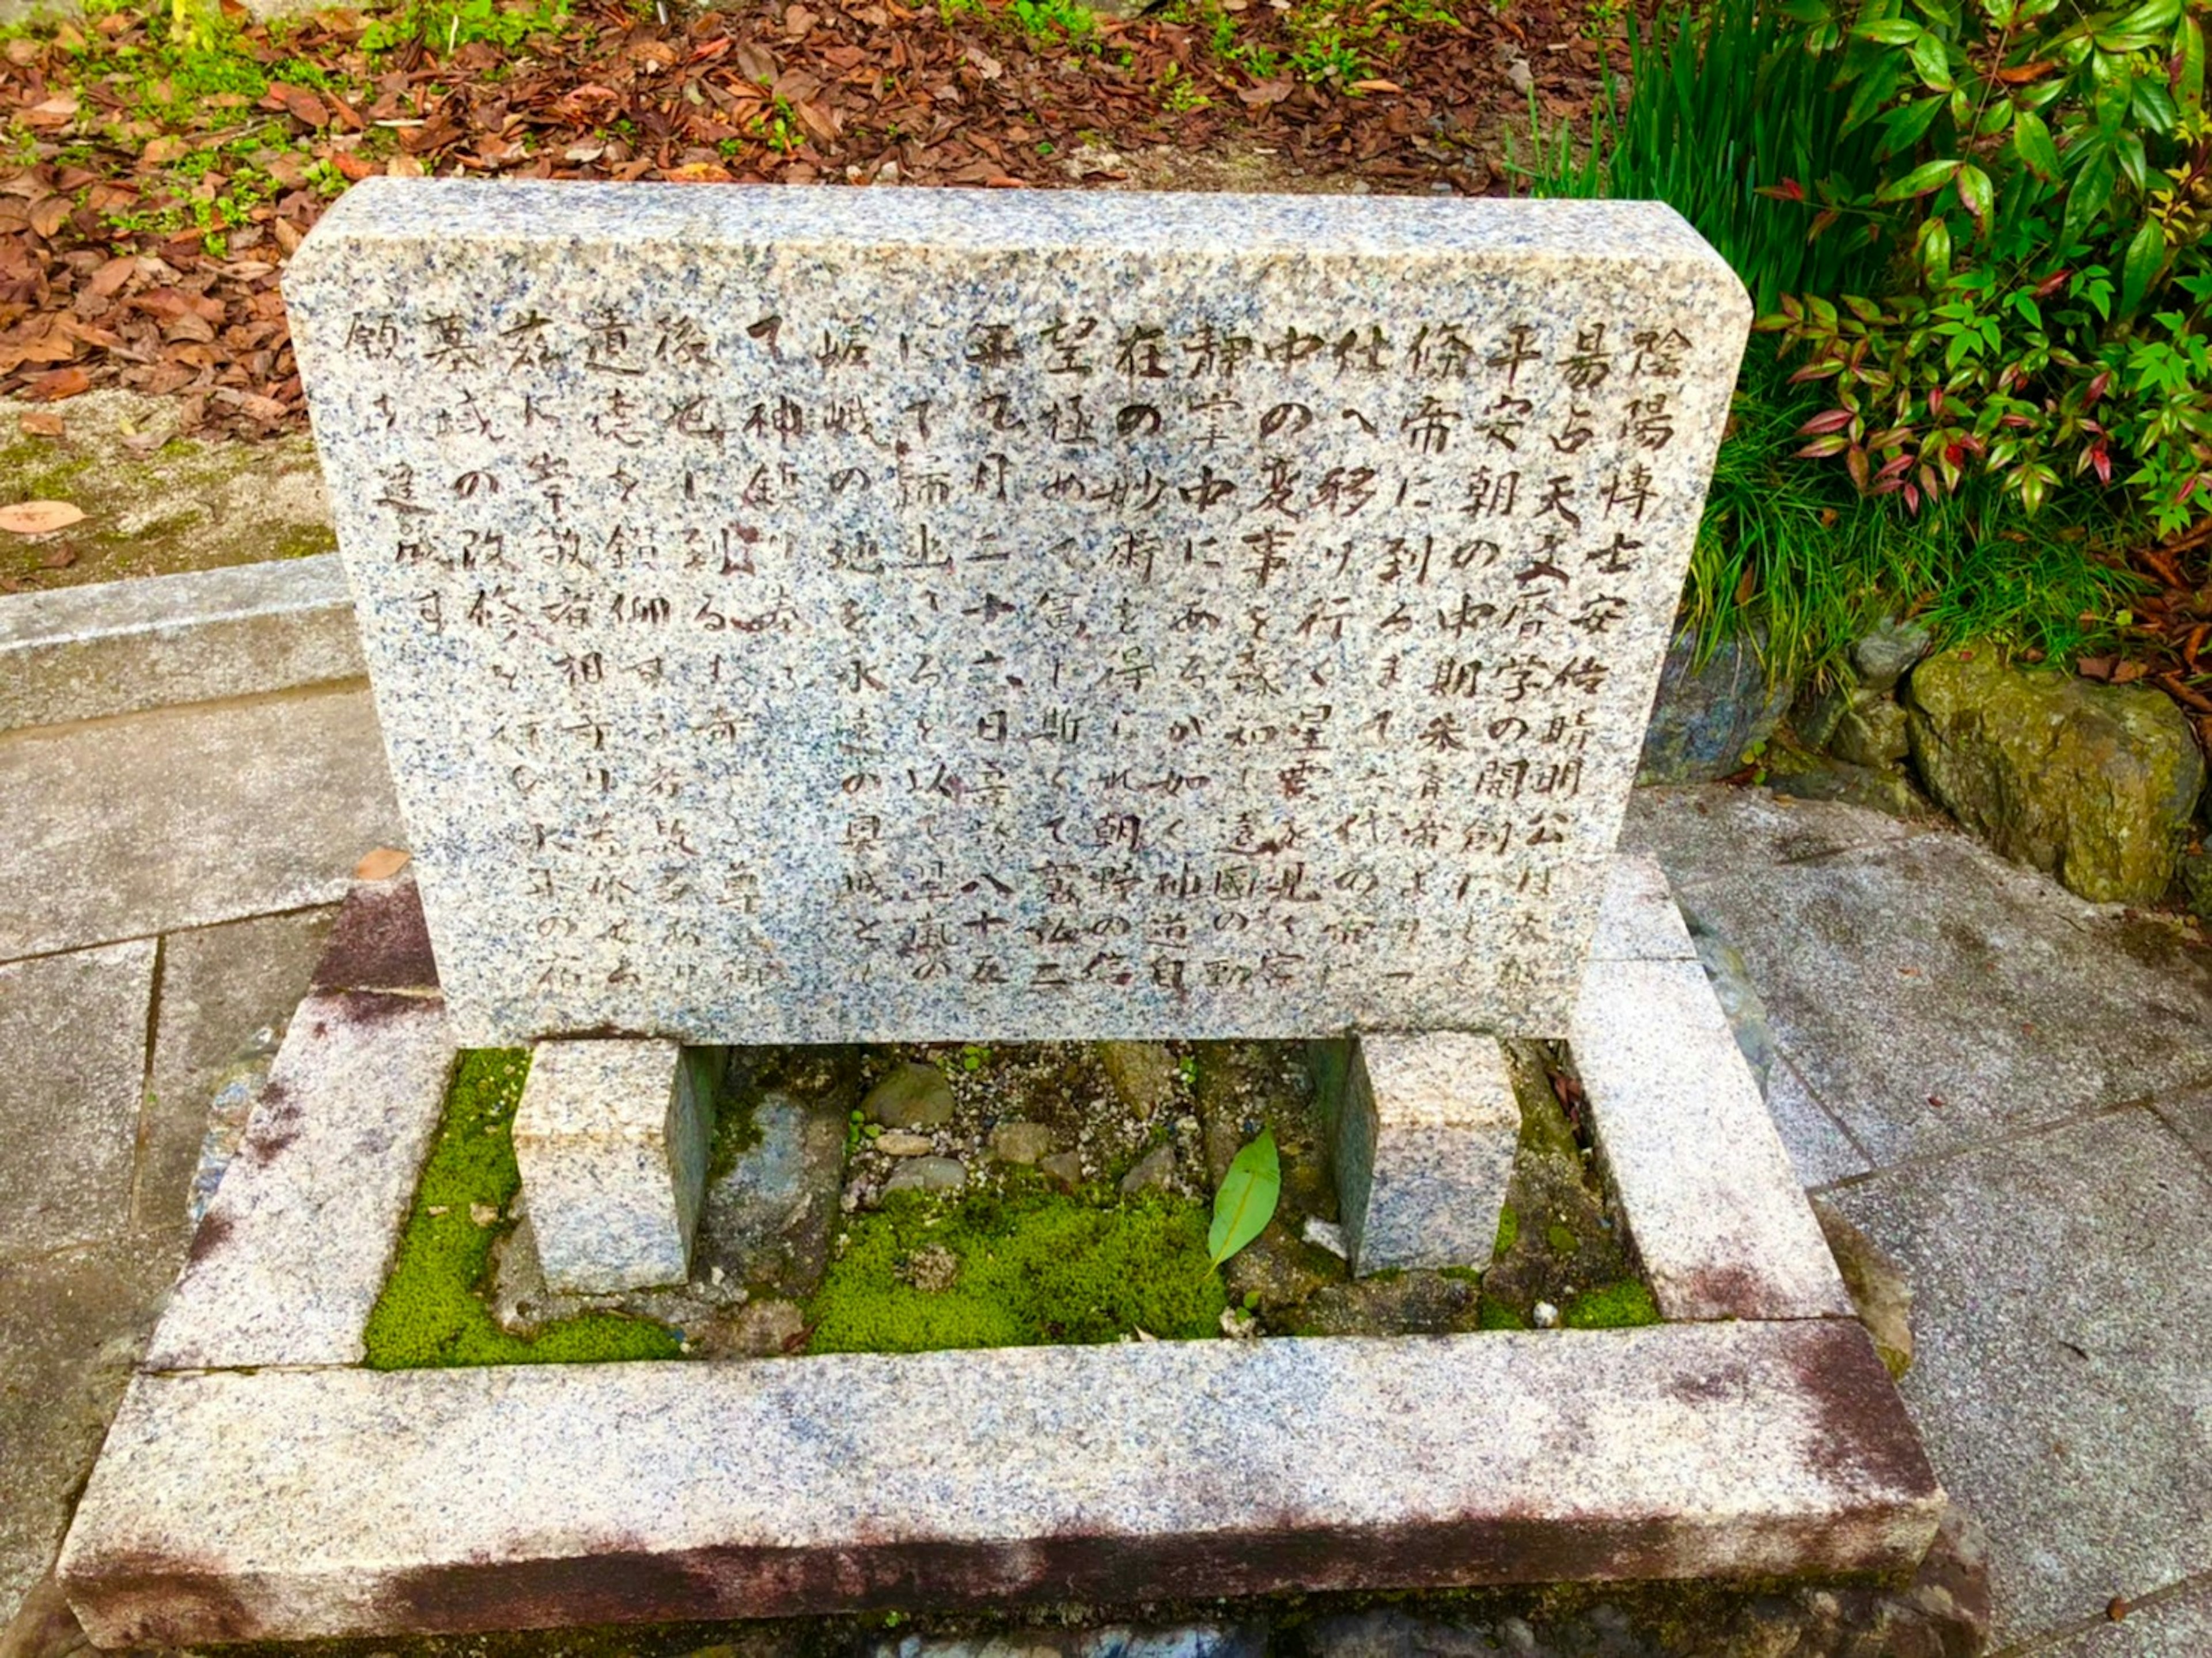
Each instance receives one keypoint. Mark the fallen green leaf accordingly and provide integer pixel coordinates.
(1246, 1202)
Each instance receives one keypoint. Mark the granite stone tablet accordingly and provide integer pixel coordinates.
(823, 614)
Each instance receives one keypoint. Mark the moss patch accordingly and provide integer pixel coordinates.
(1033, 1267)
(1615, 1307)
(736, 1131)
(430, 1312)
(153, 508)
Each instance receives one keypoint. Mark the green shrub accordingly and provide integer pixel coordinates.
(1789, 546)
(1743, 120)
(2044, 186)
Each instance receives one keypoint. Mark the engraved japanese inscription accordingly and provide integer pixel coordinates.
(807, 614)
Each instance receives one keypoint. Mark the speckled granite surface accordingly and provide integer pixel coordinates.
(1147, 1470)
(818, 614)
(611, 1140)
(1424, 1149)
(294, 1248)
(1720, 1237)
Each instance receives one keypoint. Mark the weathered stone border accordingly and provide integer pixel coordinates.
(287, 1504)
(122, 646)
(1762, 1436)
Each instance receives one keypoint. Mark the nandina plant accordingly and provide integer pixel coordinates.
(2045, 188)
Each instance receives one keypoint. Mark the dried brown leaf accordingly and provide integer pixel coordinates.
(108, 280)
(58, 383)
(39, 518)
(381, 865)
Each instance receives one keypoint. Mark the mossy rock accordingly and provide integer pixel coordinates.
(2093, 784)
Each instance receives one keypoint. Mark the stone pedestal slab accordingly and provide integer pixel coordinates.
(591, 1494)
(1424, 1141)
(611, 1137)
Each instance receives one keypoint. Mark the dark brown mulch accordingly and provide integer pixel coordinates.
(2168, 642)
(105, 279)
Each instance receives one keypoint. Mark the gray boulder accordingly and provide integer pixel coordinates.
(1707, 716)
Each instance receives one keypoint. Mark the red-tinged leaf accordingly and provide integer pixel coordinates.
(1831, 419)
(1854, 462)
(108, 280)
(1912, 499)
(57, 384)
(300, 104)
(2097, 388)
(2101, 458)
(1816, 371)
(1822, 448)
(2051, 283)
(2128, 672)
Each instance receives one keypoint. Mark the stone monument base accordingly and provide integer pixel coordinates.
(259, 1483)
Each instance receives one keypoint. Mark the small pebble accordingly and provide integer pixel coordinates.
(901, 1143)
(1546, 1315)
(1326, 1234)
(927, 1174)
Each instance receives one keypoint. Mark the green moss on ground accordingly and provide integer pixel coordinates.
(1615, 1307)
(431, 1313)
(179, 506)
(1033, 1267)
(1496, 1314)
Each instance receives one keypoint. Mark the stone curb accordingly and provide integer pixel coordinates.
(1712, 1198)
(293, 1253)
(124, 646)
(286, 1504)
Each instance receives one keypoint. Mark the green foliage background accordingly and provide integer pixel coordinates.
(1941, 442)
